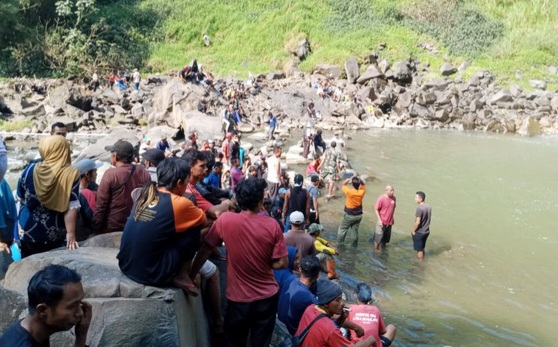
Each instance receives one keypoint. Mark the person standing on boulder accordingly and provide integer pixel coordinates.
(55, 303)
(272, 125)
(385, 209)
(421, 229)
(136, 76)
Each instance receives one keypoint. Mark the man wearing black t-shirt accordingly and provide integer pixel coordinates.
(55, 304)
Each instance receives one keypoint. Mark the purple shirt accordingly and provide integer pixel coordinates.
(236, 177)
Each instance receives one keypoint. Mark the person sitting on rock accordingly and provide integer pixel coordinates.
(369, 318)
(87, 197)
(164, 145)
(325, 252)
(55, 303)
(162, 233)
(184, 74)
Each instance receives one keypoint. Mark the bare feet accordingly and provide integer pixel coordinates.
(187, 285)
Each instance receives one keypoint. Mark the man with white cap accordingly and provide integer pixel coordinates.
(325, 332)
(297, 237)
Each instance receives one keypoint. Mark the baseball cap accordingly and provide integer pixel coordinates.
(282, 190)
(154, 156)
(314, 228)
(296, 217)
(86, 165)
(298, 179)
(124, 149)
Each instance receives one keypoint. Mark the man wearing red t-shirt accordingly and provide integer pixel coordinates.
(369, 318)
(255, 247)
(385, 208)
(325, 332)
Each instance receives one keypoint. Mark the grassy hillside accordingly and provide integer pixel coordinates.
(255, 35)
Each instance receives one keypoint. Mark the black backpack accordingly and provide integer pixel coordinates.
(296, 341)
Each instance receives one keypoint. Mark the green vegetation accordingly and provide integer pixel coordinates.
(14, 126)
(256, 35)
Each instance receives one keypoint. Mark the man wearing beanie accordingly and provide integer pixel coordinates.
(325, 332)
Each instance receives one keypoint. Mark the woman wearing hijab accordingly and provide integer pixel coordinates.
(49, 193)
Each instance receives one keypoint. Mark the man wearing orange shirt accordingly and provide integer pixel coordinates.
(353, 210)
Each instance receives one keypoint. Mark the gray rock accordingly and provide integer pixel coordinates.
(402, 72)
(554, 103)
(125, 313)
(529, 127)
(34, 111)
(12, 305)
(404, 100)
(384, 66)
(441, 115)
(371, 72)
(352, 69)
(473, 82)
(463, 66)
(515, 90)
(426, 98)
(303, 49)
(553, 70)
(539, 84)
(367, 93)
(501, 96)
(447, 69)
(328, 70)
(111, 96)
(276, 75)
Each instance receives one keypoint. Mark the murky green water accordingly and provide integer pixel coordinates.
(490, 277)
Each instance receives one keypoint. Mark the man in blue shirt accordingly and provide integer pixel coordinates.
(214, 178)
(272, 125)
(297, 295)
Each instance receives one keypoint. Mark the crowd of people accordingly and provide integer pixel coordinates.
(178, 207)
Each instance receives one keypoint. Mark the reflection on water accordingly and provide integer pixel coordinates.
(490, 274)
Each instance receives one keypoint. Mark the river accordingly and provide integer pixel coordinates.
(490, 276)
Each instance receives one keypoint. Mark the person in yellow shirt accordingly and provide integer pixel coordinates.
(325, 252)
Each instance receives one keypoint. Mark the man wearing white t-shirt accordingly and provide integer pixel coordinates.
(337, 138)
(137, 78)
(274, 172)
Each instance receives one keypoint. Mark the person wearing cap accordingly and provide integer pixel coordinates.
(325, 251)
(353, 210)
(296, 199)
(297, 293)
(255, 247)
(87, 197)
(369, 318)
(136, 76)
(325, 332)
(298, 238)
(114, 199)
(151, 159)
(145, 145)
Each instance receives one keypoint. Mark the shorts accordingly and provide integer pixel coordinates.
(382, 234)
(208, 269)
(419, 241)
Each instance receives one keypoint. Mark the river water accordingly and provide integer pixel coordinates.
(490, 277)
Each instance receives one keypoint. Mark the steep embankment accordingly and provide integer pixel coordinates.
(511, 38)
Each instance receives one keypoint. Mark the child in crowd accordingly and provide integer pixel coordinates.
(325, 252)
(369, 318)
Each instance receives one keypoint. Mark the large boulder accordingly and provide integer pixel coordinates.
(402, 72)
(329, 70)
(447, 69)
(125, 313)
(529, 127)
(371, 72)
(97, 150)
(501, 96)
(352, 69)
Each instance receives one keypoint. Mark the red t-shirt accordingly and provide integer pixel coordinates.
(370, 319)
(252, 241)
(386, 207)
(323, 332)
(201, 202)
(90, 196)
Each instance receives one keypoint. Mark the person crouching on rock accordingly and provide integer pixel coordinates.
(162, 234)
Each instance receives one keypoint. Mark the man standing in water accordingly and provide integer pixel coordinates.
(385, 208)
(421, 229)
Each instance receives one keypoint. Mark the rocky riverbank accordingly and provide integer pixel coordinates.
(390, 95)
